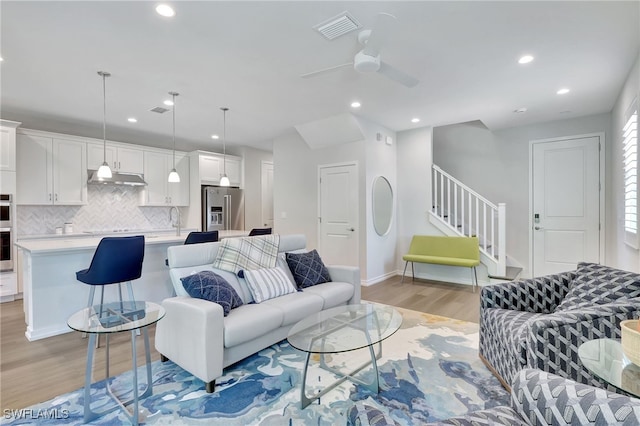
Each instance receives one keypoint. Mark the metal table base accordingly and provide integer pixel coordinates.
(133, 415)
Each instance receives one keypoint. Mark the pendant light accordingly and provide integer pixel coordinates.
(224, 179)
(104, 172)
(174, 177)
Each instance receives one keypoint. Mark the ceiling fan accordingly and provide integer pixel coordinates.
(368, 60)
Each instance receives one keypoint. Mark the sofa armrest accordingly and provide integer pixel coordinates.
(544, 398)
(347, 274)
(553, 340)
(538, 295)
(191, 334)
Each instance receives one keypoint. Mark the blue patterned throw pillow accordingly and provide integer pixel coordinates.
(210, 286)
(307, 269)
(597, 284)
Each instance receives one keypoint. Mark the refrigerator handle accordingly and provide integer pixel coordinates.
(227, 211)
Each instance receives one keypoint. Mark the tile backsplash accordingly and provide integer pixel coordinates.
(109, 208)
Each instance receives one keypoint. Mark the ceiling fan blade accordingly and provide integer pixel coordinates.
(325, 70)
(397, 75)
(379, 34)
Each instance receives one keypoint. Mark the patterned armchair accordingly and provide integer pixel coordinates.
(538, 398)
(540, 322)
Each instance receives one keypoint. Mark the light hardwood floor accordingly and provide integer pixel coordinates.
(32, 372)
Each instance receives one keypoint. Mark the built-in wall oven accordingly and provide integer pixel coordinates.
(6, 232)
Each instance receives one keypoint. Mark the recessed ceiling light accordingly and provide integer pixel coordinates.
(355, 104)
(563, 91)
(132, 120)
(525, 59)
(415, 120)
(168, 102)
(215, 137)
(165, 10)
(520, 110)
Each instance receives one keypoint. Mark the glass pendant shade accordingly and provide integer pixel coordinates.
(174, 177)
(224, 180)
(104, 172)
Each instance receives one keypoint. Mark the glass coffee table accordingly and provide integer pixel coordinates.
(605, 359)
(344, 329)
(111, 318)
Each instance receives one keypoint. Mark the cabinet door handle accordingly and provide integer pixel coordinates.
(119, 165)
(49, 196)
(56, 197)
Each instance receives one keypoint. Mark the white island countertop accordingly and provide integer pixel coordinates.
(52, 293)
(61, 244)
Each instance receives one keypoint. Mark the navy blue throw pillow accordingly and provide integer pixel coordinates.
(307, 269)
(210, 286)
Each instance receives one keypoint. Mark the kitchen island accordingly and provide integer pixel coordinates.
(51, 293)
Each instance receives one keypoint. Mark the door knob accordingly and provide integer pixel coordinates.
(351, 229)
(537, 228)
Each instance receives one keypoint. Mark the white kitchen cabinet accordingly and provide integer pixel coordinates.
(212, 168)
(119, 158)
(51, 171)
(234, 170)
(8, 145)
(160, 192)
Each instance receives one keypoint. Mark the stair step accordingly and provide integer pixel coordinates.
(511, 274)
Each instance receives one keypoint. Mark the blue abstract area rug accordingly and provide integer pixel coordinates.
(429, 370)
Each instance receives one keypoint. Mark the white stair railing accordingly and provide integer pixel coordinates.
(467, 213)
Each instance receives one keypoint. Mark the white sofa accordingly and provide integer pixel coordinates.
(197, 336)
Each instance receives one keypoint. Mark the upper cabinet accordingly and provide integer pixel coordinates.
(212, 166)
(120, 158)
(160, 192)
(8, 145)
(51, 171)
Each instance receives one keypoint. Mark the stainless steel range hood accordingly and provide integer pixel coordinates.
(130, 179)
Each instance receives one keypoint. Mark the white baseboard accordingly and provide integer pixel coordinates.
(378, 279)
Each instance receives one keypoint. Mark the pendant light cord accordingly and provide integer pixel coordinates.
(174, 130)
(104, 116)
(224, 139)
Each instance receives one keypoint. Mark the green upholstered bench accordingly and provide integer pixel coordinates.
(440, 250)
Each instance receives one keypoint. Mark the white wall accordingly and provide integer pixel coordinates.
(380, 160)
(414, 189)
(295, 185)
(253, 159)
(618, 253)
(496, 165)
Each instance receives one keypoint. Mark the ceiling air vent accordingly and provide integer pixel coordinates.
(338, 25)
(159, 110)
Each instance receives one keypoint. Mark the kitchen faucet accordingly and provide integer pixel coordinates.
(176, 224)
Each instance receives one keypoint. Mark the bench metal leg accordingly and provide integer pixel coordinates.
(474, 284)
(413, 275)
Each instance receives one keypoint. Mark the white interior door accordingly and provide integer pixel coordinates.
(566, 204)
(267, 194)
(338, 199)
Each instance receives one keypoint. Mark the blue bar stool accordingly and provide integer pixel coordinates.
(201, 237)
(260, 231)
(116, 260)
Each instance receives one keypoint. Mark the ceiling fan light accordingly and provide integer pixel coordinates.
(224, 180)
(104, 172)
(174, 177)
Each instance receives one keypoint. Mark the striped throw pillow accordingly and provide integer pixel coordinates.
(265, 284)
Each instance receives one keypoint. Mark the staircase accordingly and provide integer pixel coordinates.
(460, 211)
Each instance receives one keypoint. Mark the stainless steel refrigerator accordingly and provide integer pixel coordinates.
(222, 208)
